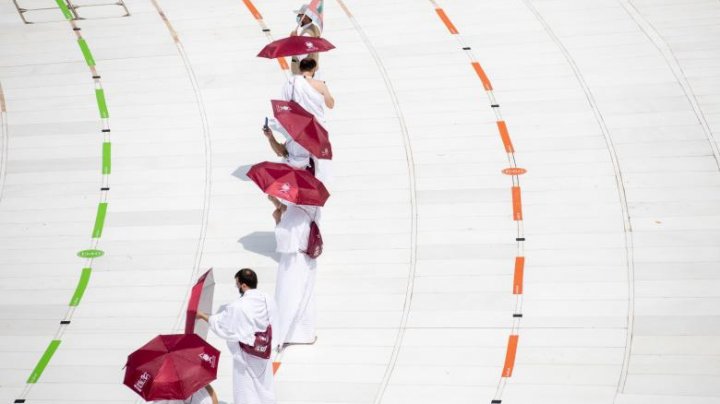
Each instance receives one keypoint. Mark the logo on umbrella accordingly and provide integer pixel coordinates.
(285, 188)
(140, 383)
(325, 151)
(309, 45)
(283, 108)
(208, 358)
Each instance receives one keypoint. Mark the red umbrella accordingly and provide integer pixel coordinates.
(293, 185)
(171, 367)
(201, 297)
(303, 127)
(295, 45)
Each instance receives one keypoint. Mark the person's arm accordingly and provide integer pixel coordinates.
(277, 147)
(211, 393)
(202, 316)
(329, 100)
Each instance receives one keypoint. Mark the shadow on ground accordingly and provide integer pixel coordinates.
(261, 242)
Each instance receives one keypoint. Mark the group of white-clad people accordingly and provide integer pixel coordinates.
(254, 325)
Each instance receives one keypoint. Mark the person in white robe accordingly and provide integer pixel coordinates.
(206, 395)
(295, 281)
(293, 153)
(238, 321)
(315, 97)
(305, 27)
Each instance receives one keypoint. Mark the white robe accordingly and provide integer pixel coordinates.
(305, 95)
(236, 322)
(200, 397)
(295, 284)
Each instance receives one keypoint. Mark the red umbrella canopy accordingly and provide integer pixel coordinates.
(171, 367)
(293, 185)
(303, 128)
(295, 45)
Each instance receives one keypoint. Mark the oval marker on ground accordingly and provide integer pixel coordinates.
(90, 253)
(514, 171)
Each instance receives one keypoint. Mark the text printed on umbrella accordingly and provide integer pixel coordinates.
(211, 359)
(140, 383)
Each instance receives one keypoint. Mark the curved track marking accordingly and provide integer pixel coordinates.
(258, 17)
(100, 215)
(413, 202)
(516, 197)
(3, 141)
(620, 184)
(207, 151)
(659, 42)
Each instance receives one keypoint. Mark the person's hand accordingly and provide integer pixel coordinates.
(267, 132)
(202, 316)
(293, 33)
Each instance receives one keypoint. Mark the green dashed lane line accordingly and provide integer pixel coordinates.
(86, 52)
(100, 95)
(99, 220)
(82, 285)
(106, 153)
(40, 367)
(64, 8)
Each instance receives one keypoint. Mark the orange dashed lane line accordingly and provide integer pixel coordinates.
(514, 171)
(441, 13)
(505, 136)
(510, 356)
(483, 77)
(517, 204)
(252, 9)
(518, 276)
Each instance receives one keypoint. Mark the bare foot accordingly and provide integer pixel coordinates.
(300, 343)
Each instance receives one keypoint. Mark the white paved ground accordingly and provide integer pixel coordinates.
(612, 106)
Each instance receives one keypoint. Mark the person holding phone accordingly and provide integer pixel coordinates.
(291, 153)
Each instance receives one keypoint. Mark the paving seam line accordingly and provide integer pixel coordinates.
(3, 141)
(410, 286)
(620, 185)
(207, 155)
